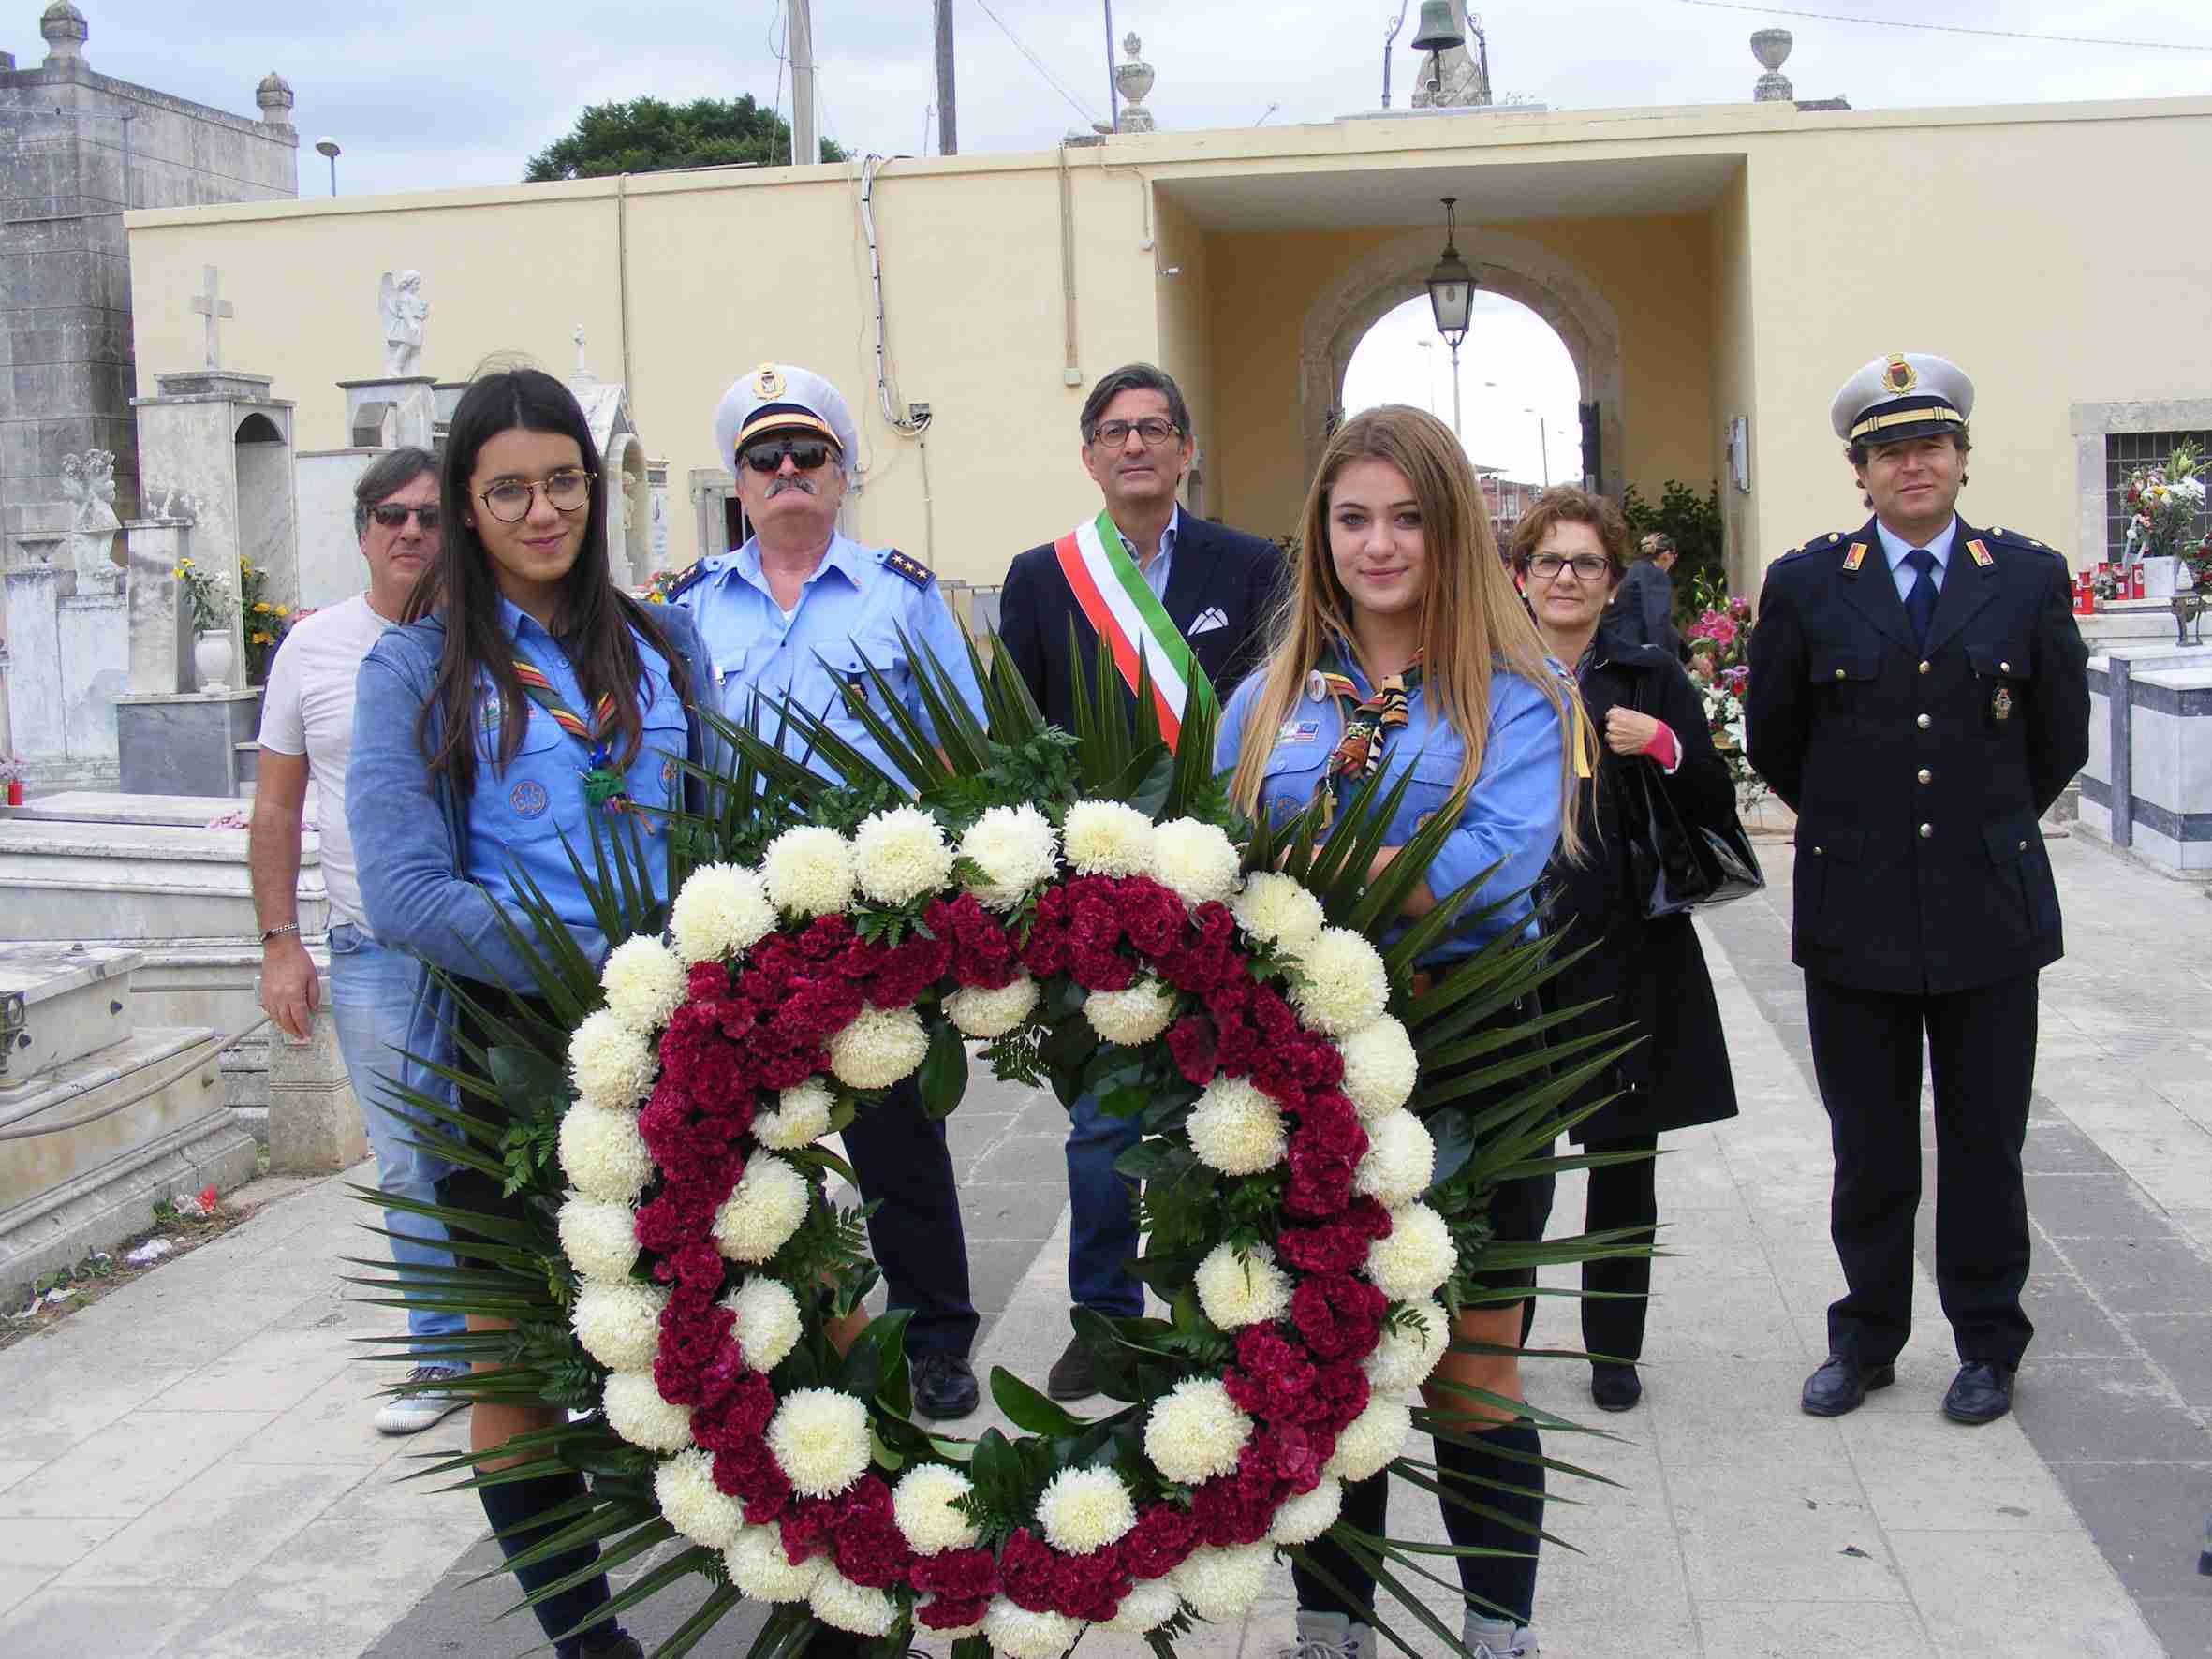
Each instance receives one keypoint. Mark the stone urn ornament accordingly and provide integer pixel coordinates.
(1771, 47)
(1134, 79)
(213, 656)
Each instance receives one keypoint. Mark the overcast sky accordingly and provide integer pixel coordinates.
(428, 99)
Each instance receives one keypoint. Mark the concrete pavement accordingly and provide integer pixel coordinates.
(189, 1473)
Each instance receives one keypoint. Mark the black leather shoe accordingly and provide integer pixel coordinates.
(1072, 1377)
(1616, 1388)
(944, 1385)
(1842, 1384)
(620, 1645)
(1981, 1392)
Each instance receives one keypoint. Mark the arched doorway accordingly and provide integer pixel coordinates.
(629, 513)
(263, 460)
(1507, 265)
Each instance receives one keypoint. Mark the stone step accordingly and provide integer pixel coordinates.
(91, 1082)
(59, 1002)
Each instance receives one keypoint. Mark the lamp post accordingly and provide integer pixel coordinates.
(329, 149)
(1428, 355)
(1543, 445)
(1450, 300)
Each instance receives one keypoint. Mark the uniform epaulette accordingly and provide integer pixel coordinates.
(913, 569)
(2013, 538)
(686, 582)
(1814, 544)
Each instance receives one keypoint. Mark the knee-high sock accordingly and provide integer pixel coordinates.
(515, 1504)
(1505, 1585)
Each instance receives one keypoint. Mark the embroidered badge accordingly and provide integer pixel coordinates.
(1981, 556)
(1901, 377)
(1298, 732)
(1855, 557)
(768, 383)
(527, 798)
(2002, 704)
(488, 714)
(668, 777)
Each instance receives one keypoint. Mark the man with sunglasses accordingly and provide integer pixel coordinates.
(800, 615)
(308, 733)
(1186, 598)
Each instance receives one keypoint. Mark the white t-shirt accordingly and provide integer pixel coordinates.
(307, 709)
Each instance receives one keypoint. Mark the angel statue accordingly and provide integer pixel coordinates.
(399, 297)
(88, 482)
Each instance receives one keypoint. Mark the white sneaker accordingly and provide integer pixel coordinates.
(1497, 1639)
(1329, 1635)
(410, 1414)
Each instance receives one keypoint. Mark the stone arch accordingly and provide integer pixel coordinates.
(1385, 277)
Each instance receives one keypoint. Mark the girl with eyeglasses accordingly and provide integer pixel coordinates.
(1402, 649)
(1571, 551)
(528, 707)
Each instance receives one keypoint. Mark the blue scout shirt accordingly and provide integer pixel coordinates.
(1513, 809)
(853, 606)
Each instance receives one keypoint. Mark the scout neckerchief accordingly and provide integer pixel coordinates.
(603, 785)
(1367, 725)
(1131, 622)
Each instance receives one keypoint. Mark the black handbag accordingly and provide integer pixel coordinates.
(1676, 867)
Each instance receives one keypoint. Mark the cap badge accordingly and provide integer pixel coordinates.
(2001, 705)
(1855, 557)
(768, 383)
(1901, 377)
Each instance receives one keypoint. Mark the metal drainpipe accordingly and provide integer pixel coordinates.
(621, 276)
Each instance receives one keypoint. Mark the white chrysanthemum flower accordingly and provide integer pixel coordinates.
(694, 1504)
(1379, 1067)
(1235, 1290)
(1235, 1128)
(1342, 985)
(922, 1504)
(879, 1049)
(819, 1437)
(1224, 1583)
(599, 1236)
(980, 1013)
(1405, 1356)
(636, 1411)
(1371, 1440)
(613, 1064)
(768, 1324)
(762, 1211)
(619, 1324)
(603, 1154)
(644, 984)
(723, 911)
(1131, 1017)
(1147, 1606)
(1108, 838)
(1416, 1258)
(1019, 1633)
(1276, 909)
(1401, 1158)
(1016, 849)
(1195, 1432)
(842, 1605)
(800, 1118)
(899, 855)
(763, 1572)
(1085, 1509)
(1196, 859)
(809, 870)
(1302, 1519)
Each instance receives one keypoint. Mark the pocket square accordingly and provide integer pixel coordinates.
(1209, 620)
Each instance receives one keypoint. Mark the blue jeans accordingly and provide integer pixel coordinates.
(1102, 1219)
(373, 992)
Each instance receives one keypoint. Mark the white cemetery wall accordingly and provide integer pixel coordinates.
(331, 567)
(160, 632)
(94, 635)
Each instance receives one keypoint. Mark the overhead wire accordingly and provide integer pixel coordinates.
(1040, 65)
(1891, 22)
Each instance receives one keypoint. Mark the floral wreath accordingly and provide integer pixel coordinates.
(1312, 1232)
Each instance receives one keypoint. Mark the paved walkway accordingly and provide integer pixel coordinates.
(189, 1473)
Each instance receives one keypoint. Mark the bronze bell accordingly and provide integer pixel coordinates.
(1435, 31)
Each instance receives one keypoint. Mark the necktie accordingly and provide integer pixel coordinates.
(1920, 603)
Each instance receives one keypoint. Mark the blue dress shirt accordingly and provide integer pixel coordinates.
(1155, 573)
(1896, 549)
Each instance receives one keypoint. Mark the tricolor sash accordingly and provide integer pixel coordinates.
(1130, 621)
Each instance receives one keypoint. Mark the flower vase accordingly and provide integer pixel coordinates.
(212, 655)
(15, 791)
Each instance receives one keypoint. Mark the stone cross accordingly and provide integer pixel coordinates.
(213, 306)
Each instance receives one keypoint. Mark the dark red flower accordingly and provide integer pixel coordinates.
(749, 1472)
(1028, 1572)
(1339, 1316)
(1160, 1542)
(958, 1575)
(946, 1614)
(1190, 1040)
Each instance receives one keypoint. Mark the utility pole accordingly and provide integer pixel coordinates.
(948, 128)
(1112, 87)
(803, 142)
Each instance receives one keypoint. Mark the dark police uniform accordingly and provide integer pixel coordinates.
(1924, 899)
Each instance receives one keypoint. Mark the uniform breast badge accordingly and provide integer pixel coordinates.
(1981, 554)
(2002, 704)
(1855, 557)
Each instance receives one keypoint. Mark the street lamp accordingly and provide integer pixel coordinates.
(329, 147)
(1543, 445)
(1428, 355)
(1451, 299)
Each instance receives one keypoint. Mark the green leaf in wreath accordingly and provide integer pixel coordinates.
(996, 1469)
(1025, 1408)
(944, 1070)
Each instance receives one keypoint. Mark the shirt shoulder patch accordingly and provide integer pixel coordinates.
(904, 564)
(689, 579)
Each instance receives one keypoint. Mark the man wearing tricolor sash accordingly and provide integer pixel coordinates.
(1159, 589)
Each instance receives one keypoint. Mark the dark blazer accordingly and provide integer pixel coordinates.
(1918, 776)
(1215, 568)
(1643, 609)
(1651, 973)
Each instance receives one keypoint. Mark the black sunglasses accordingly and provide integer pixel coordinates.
(806, 454)
(391, 515)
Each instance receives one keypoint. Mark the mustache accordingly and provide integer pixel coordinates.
(777, 485)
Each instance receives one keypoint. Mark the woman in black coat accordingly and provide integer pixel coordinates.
(1570, 553)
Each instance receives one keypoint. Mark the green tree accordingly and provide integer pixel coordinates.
(649, 135)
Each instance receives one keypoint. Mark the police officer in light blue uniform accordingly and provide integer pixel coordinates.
(798, 614)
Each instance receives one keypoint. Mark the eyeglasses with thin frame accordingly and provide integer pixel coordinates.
(807, 455)
(391, 515)
(567, 491)
(1152, 429)
(1586, 567)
